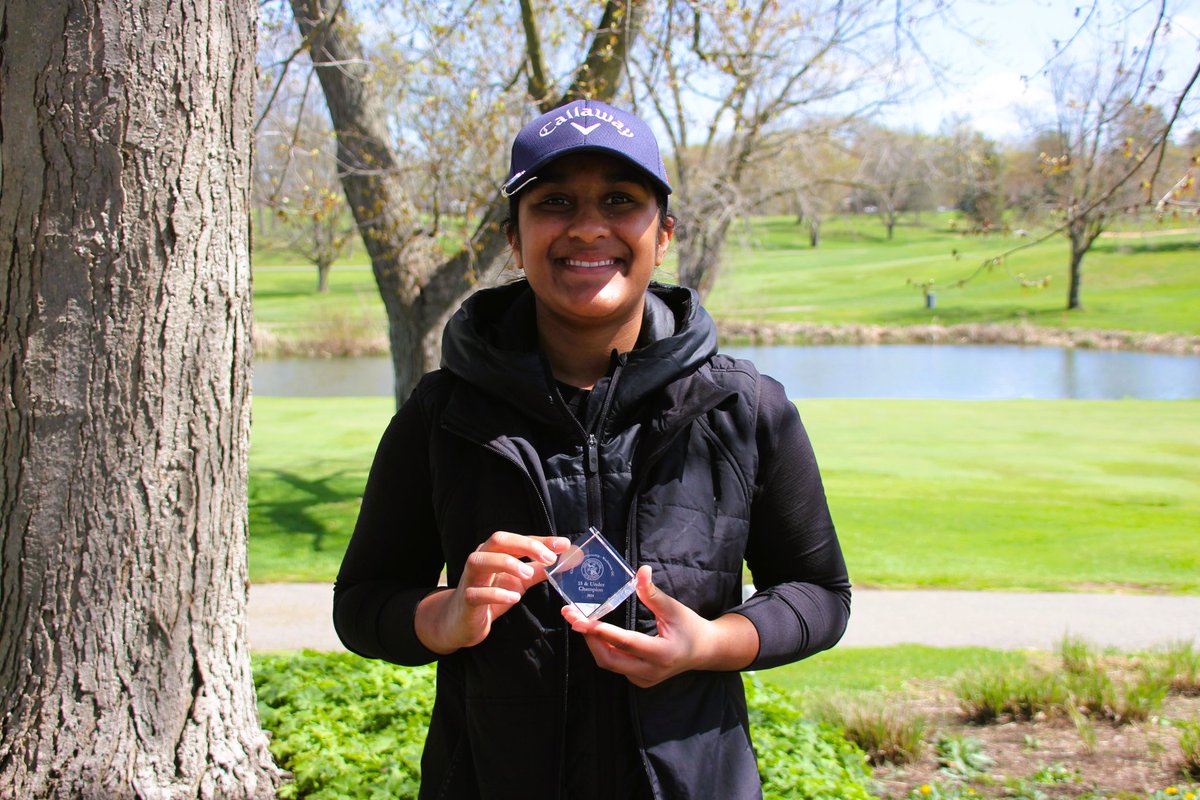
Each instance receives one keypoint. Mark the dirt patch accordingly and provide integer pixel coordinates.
(1050, 758)
(766, 333)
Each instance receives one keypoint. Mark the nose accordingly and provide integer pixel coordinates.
(588, 223)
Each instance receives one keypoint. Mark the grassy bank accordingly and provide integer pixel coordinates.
(1142, 283)
(1055, 495)
(1149, 283)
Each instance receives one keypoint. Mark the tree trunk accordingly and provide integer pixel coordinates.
(420, 291)
(1076, 278)
(323, 276)
(125, 401)
(698, 247)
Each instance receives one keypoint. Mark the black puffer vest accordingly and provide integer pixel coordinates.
(663, 462)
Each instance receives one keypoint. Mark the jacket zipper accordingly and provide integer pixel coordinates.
(631, 542)
(566, 631)
(591, 454)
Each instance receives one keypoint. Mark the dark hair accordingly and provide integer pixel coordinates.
(664, 214)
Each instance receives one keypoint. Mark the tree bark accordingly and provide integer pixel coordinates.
(699, 245)
(420, 290)
(125, 401)
(1076, 278)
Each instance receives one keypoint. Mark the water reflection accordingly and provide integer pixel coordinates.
(955, 372)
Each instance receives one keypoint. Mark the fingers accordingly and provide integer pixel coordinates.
(500, 560)
(644, 660)
(542, 550)
(664, 607)
(477, 596)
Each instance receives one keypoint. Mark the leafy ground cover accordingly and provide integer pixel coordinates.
(347, 727)
(925, 493)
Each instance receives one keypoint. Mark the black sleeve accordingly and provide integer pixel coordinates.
(394, 557)
(802, 602)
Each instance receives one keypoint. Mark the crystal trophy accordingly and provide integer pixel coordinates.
(592, 576)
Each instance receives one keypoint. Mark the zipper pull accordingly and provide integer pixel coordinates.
(593, 454)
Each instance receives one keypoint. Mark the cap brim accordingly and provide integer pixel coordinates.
(516, 183)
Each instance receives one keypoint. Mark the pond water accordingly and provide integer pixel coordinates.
(954, 372)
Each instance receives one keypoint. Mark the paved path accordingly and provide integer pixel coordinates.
(292, 616)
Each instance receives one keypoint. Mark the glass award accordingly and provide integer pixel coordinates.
(592, 576)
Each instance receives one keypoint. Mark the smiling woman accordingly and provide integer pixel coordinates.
(588, 236)
(586, 402)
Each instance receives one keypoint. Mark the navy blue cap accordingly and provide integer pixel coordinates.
(584, 125)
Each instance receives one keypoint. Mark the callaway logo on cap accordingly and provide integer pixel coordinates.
(583, 125)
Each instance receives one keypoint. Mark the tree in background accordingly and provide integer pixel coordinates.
(397, 144)
(296, 174)
(125, 401)
(1109, 141)
(972, 168)
(1107, 129)
(893, 174)
(733, 86)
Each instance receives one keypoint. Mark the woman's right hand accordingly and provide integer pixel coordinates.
(494, 580)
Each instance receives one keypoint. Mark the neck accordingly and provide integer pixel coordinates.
(580, 357)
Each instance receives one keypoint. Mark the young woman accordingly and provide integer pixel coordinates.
(586, 395)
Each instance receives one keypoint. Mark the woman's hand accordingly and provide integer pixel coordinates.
(494, 580)
(685, 640)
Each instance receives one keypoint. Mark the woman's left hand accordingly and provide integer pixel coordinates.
(685, 640)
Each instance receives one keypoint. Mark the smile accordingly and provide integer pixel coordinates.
(600, 264)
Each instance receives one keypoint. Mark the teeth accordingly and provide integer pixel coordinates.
(574, 262)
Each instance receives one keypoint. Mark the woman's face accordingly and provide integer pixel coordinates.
(588, 238)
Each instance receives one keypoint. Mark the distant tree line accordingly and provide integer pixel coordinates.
(768, 109)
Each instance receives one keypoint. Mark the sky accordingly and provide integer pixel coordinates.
(1014, 39)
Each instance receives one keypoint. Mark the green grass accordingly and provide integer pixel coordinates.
(885, 669)
(858, 276)
(1031, 494)
(1023, 494)
(308, 464)
(287, 302)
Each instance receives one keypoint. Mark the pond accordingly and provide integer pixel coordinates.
(954, 372)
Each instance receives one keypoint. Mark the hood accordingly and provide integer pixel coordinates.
(491, 342)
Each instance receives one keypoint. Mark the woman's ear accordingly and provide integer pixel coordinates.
(666, 230)
(514, 244)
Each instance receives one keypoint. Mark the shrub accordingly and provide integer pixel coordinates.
(802, 759)
(1077, 656)
(1189, 744)
(1182, 664)
(345, 726)
(883, 728)
(988, 695)
(962, 757)
(1083, 686)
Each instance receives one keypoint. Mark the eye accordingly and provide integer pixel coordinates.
(552, 201)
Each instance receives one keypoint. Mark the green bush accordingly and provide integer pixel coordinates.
(799, 759)
(344, 727)
(1189, 745)
(882, 726)
(1182, 666)
(1087, 684)
(962, 757)
(991, 694)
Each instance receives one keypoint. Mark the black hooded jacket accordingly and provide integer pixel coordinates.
(685, 459)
